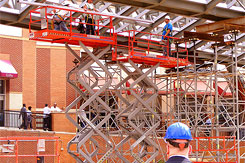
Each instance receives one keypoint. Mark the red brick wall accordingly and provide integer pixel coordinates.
(14, 48)
(70, 92)
(43, 77)
(61, 123)
(58, 77)
(29, 73)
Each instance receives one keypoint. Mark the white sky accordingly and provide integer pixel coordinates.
(10, 31)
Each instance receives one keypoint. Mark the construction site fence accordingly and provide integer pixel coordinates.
(30, 149)
(221, 149)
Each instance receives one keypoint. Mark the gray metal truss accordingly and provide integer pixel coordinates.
(135, 122)
(197, 94)
(13, 13)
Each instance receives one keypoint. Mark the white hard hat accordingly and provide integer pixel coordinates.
(167, 17)
(65, 3)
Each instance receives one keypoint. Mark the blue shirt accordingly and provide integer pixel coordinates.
(166, 28)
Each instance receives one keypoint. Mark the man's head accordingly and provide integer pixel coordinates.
(24, 105)
(55, 105)
(65, 3)
(46, 105)
(167, 19)
(29, 108)
(178, 137)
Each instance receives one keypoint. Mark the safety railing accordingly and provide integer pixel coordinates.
(29, 149)
(71, 22)
(222, 149)
(13, 119)
(147, 44)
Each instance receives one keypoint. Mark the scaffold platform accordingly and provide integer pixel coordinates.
(167, 62)
(149, 50)
(71, 38)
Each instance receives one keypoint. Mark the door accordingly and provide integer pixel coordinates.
(2, 101)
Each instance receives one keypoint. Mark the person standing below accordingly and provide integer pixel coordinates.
(178, 137)
(55, 108)
(29, 117)
(89, 20)
(46, 117)
(167, 32)
(24, 117)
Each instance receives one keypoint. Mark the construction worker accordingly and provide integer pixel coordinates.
(89, 19)
(178, 137)
(58, 21)
(167, 32)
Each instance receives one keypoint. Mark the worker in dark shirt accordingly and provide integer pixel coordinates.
(178, 137)
(24, 117)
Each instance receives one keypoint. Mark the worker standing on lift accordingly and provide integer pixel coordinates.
(58, 22)
(89, 19)
(167, 32)
(178, 137)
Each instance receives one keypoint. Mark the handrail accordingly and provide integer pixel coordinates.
(11, 118)
(71, 20)
(219, 146)
(147, 44)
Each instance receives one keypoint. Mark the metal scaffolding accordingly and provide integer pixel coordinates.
(126, 107)
(118, 113)
(210, 99)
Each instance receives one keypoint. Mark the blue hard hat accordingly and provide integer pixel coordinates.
(178, 131)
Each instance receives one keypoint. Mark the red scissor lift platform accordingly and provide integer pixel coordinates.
(72, 37)
(142, 50)
(149, 49)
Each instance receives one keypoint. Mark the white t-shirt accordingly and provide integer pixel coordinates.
(56, 109)
(28, 112)
(208, 121)
(90, 7)
(46, 111)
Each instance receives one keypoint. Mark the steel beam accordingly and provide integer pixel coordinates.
(220, 25)
(182, 7)
(157, 22)
(117, 20)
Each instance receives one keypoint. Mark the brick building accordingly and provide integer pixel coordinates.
(41, 73)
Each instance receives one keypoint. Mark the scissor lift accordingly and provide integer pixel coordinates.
(47, 34)
(149, 49)
(137, 120)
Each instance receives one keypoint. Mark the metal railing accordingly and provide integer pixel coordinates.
(9, 118)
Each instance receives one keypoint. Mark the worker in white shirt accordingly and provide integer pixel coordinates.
(89, 19)
(58, 21)
(55, 108)
(46, 117)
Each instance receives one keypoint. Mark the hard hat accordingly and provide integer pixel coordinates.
(178, 131)
(65, 3)
(167, 17)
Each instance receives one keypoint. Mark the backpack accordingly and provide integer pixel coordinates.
(29, 118)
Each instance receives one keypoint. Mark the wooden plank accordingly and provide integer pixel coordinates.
(203, 36)
(221, 25)
(228, 43)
